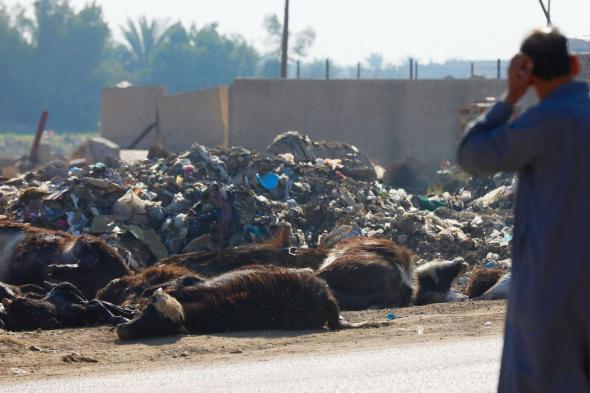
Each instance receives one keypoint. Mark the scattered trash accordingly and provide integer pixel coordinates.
(76, 357)
(390, 316)
(420, 331)
(325, 192)
(18, 371)
(269, 181)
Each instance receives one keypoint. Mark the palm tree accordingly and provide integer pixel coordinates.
(143, 39)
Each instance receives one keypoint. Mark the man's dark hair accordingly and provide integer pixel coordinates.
(548, 49)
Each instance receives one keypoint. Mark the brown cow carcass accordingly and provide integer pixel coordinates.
(366, 272)
(275, 252)
(31, 255)
(135, 289)
(254, 298)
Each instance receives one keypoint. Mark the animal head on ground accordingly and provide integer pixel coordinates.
(435, 280)
(164, 316)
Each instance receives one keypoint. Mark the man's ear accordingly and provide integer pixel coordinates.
(575, 66)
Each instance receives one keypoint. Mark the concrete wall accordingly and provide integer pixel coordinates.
(194, 117)
(389, 119)
(127, 112)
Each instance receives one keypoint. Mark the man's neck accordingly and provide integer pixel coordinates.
(545, 88)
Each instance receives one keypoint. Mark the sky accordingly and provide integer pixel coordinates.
(348, 31)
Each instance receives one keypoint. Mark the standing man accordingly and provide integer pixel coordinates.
(547, 337)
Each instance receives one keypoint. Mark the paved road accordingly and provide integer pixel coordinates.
(465, 366)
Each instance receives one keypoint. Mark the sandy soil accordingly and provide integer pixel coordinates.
(42, 354)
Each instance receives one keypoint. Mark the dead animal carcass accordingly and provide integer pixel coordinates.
(365, 272)
(274, 252)
(136, 288)
(30, 255)
(63, 307)
(435, 280)
(249, 299)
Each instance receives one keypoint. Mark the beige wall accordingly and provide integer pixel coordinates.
(127, 112)
(194, 117)
(389, 119)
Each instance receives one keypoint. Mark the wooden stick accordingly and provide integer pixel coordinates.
(40, 128)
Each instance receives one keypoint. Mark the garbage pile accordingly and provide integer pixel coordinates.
(214, 198)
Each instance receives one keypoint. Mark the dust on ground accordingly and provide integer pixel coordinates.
(78, 352)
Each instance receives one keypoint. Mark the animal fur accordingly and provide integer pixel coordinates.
(33, 255)
(366, 272)
(130, 289)
(482, 280)
(435, 280)
(500, 290)
(8, 292)
(249, 299)
(63, 307)
(168, 306)
(29, 314)
(275, 252)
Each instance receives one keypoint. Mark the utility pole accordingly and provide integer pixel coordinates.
(285, 43)
(546, 11)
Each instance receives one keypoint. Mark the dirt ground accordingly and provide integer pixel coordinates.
(42, 354)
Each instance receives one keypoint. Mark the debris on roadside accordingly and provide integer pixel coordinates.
(210, 199)
(76, 357)
(321, 193)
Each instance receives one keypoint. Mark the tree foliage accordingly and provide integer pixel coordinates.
(200, 58)
(61, 58)
(304, 39)
(143, 39)
(57, 62)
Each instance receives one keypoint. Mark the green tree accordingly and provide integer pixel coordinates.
(200, 58)
(69, 55)
(143, 39)
(15, 61)
(304, 40)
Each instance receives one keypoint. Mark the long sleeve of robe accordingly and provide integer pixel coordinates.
(547, 336)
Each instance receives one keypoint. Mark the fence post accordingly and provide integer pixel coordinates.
(298, 69)
(411, 68)
(358, 71)
(472, 70)
(499, 69)
(327, 69)
(416, 71)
